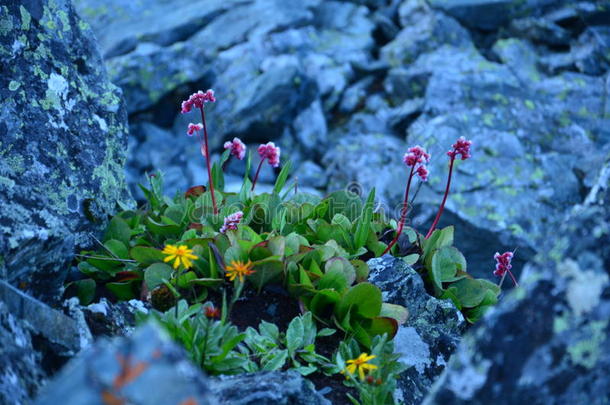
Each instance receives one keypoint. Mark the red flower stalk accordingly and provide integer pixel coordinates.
(270, 152)
(503, 266)
(460, 147)
(416, 157)
(198, 100)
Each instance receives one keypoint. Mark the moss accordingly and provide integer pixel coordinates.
(587, 352)
(26, 18)
(13, 85)
(530, 104)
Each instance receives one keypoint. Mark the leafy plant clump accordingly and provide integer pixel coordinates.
(207, 245)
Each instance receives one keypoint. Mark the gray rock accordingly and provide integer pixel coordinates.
(355, 95)
(431, 334)
(157, 373)
(547, 342)
(63, 335)
(509, 120)
(21, 374)
(63, 129)
(355, 161)
(266, 388)
(147, 368)
(422, 35)
(112, 319)
(310, 174)
(310, 129)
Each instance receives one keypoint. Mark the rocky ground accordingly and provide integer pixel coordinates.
(344, 87)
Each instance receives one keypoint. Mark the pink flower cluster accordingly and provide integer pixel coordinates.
(460, 147)
(197, 100)
(232, 221)
(192, 128)
(237, 147)
(271, 152)
(417, 156)
(503, 263)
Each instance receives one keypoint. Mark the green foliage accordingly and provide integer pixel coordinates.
(379, 385)
(311, 245)
(446, 270)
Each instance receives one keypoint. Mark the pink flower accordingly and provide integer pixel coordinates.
(416, 155)
(460, 147)
(192, 128)
(197, 100)
(271, 152)
(237, 147)
(503, 263)
(422, 172)
(231, 222)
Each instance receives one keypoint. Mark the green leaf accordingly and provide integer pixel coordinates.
(411, 259)
(326, 332)
(364, 222)
(156, 273)
(165, 228)
(381, 325)
(363, 299)
(323, 303)
(398, 312)
(117, 248)
(146, 255)
(265, 272)
(85, 291)
(282, 177)
(122, 290)
(294, 336)
(270, 330)
(469, 292)
(443, 267)
(275, 360)
(118, 229)
(333, 279)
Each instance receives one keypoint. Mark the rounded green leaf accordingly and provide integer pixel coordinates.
(363, 299)
(156, 273)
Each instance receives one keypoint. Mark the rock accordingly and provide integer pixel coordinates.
(63, 128)
(21, 374)
(354, 163)
(480, 14)
(266, 388)
(62, 336)
(355, 95)
(310, 174)
(423, 35)
(112, 319)
(310, 129)
(431, 334)
(548, 341)
(158, 373)
(509, 120)
(147, 368)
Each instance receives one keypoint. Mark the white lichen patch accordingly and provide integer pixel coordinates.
(101, 122)
(412, 349)
(584, 287)
(471, 378)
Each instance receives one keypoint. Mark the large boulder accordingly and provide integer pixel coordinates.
(148, 368)
(547, 342)
(21, 374)
(431, 334)
(63, 128)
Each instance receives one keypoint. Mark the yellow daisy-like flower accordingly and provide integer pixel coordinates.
(179, 254)
(239, 269)
(361, 364)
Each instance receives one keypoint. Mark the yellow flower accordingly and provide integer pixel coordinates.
(361, 364)
(239, 269)
(179, 254)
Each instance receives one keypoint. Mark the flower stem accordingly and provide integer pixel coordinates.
(403, 213)
(442, 207)
(258, 170)
(207, 160)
